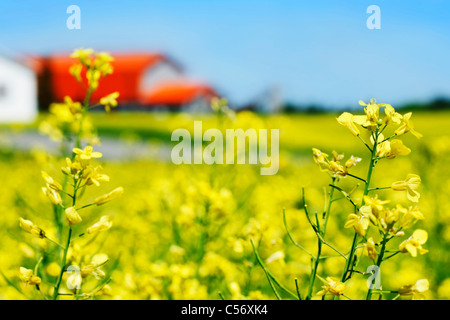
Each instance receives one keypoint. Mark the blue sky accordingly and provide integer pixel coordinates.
(315, 51)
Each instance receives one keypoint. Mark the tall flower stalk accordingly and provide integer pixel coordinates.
(69, 124)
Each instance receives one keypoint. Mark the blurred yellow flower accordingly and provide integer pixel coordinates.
(346, 119)
(51, 183)
(27, 276)
(116, 193)
(391, 114)
(72, 216)
(410, 184)
(321, 159)
(414, 243)
(31, 228)
(359, 222)
(397, 148)
(415, 290)
(110, 101)
(103, 224)
(93, 175)
(93, 76)
(407, 126)
(82, 55)
(352, 161)
(53, 195)
(87, 153)
(75, 71)
(370, 247)
(376, 205)
(332, 286)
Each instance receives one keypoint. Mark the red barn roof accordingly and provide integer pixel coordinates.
(177, 93)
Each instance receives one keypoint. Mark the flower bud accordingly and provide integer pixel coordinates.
(116, 193)
(72, 216)
(31, 228)
(51, 183)
(103, 224)
(27, 276)
(54, 196)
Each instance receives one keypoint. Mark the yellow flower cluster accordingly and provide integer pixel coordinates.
(390, 222)
(334, 166)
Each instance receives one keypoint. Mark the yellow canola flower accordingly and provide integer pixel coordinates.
(391, 114)
(31, 228)
(72, 216)
(102, 63)
(116, 193)
(347, 119)
(376, 205)
(359, 222)
(94, 268)
(415, 290)
(53, 195)
(51, 183)
(410, 185)
(27, 276)
(370, 120)
(397, 148)
(75, 71)
(414, 243)
(334, 166)
(87, 153)
(390, 148)
(370, 247)
(110, 101)
(332, 286)
(103, 224)
(407, 126)
(72, 168)
(82, 55)
(409, 216)
(93, 76)
(74, 107)
(103, 57)
(352, 161)
(94, 176)
(320, 158)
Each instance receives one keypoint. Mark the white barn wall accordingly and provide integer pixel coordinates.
(18, 92)
(154, 75)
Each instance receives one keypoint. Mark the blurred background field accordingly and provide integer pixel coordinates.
(183, 232)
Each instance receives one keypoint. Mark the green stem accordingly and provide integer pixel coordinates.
(366, 191)
(88, 205)
(319, 243)
(356, 177)
(379, 188)
(63, 265)
(379, 260)
(270, 277)
(54, 242)
(365, 143)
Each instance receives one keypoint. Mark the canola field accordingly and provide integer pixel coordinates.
(186, 231)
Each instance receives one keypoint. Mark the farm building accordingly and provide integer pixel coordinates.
(18, 92)
(150, 80)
